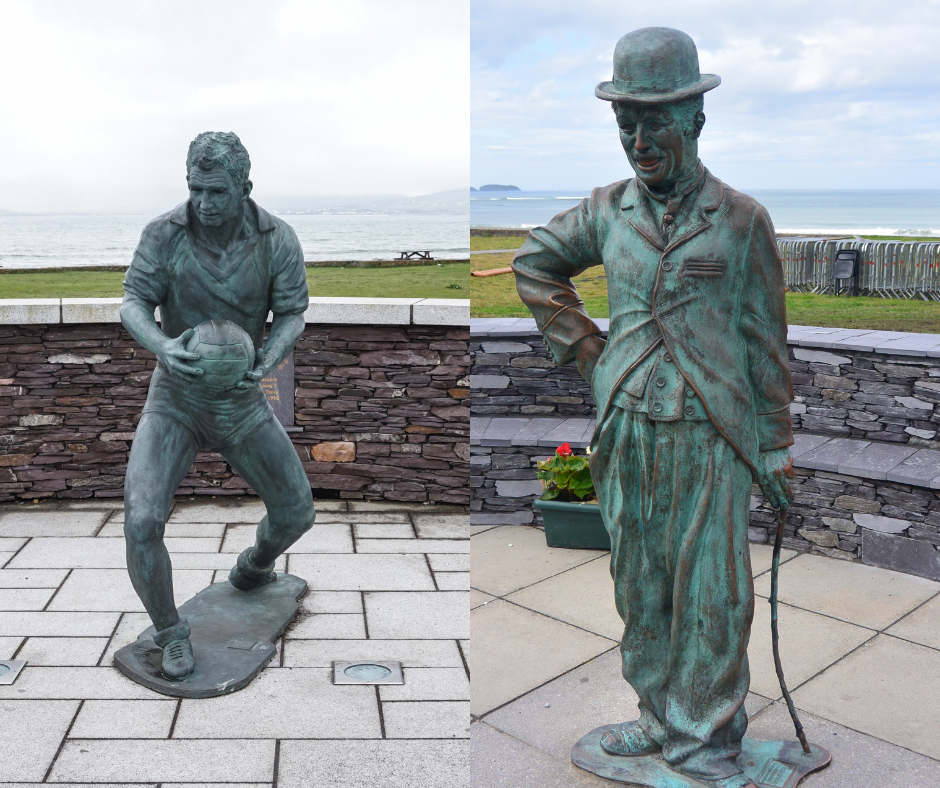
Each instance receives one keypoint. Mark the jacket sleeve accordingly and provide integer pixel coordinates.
(544, 267)
(764, 327)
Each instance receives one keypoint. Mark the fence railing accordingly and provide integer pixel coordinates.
(889, 269)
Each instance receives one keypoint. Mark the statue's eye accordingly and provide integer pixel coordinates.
(628, 130)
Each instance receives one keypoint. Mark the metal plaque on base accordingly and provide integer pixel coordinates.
(769, 764)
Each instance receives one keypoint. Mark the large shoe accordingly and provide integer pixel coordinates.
(177, 662)
(246, 575)
(628, 740)
(735, 781)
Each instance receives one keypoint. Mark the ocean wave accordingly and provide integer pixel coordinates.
(813, 231)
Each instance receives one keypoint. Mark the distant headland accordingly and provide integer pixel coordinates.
(496, 187)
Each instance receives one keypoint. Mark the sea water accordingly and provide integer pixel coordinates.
(863, 212)
(75, 240)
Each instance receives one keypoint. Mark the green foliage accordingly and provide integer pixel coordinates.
(568, 477)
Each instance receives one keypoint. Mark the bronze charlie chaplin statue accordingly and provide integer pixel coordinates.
(215, 266)
(693, 391)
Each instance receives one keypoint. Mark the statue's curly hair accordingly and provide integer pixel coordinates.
(219, 149)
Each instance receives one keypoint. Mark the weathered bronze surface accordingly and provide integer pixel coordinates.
(215, 263)
(693, 390)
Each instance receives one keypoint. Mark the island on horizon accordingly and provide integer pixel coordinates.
(496, 187)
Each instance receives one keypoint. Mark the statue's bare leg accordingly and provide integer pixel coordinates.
(268, 461)
(162, 453)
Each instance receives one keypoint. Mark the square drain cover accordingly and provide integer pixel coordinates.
(10, 669)
(367, 672)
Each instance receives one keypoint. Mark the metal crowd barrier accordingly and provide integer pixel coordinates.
(889, 269)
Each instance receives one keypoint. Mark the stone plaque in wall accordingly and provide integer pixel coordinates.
(279, 389)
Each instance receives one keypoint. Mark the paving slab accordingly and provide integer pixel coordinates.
(25, 598)
(115, 527)
(500, 432)
(322, 538)
(809, 643)
(331, 626)
(332, 602)
(111, 589)
(876, 460)
(858, 760)
(10, 544)
(286, 703)
(124, 719)
(535, 430)
(363, 572)
(58, 624)
(51, 523)
(888, 688)
(63, 652)
(442, 527)
(921, 626)
(582, 596)
(762, 557)
(411, 653)
(174, 759)
(412, 545)
(429, 684)
(569, 431)
(32, 732)
(508, 635)
(439, 615)
(450, 562)
(383, 531)
(32, 578)
(126, 632)
(390, 764)
(509, 558)
(226, 513)
(852, 592)
(427, 720)
(452, 581)
(478, 598)
(919, 468)
(9, 646)
(82, 683)
(829, 456)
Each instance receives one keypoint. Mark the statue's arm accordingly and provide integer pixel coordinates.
(137, 315)
(764, 325)
(544, 267)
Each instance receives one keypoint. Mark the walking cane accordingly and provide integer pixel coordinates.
(774, 572)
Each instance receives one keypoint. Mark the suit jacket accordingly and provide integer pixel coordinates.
(713, 294)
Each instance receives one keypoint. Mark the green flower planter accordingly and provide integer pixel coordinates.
(573, 525)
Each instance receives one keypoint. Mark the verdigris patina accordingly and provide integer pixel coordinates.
(215, 260)
(692, 389)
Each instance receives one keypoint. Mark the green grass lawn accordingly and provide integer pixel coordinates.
(479, 243)
(416, 281)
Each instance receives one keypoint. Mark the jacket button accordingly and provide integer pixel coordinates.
(660, 382)
(689, 393)
(667, 357)
(657, 408)
(689, 410)
(667, 266)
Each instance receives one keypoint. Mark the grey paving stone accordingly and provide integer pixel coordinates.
(58, 624)
(412, 545)
(875, 460)
(24, 598)
(831, 455)
(111, 589)
(223, 513)
(9, 646)
(32, 578)
(335, 626)
(478, 427)
(116, 528)
(32, 732)
(161, 761)
(284, 703)
(363, 572)
(46, 523)
(536, 429)
(411, 653)
(820, 357)
(383, 531)
(506, 347)
(517, 489)
(909, 344)
(449, 562)
(63, 652)
(5, 558)
(429, 684)
(10, 544)
(364, 516)
(124, 719)
(452, 581)
(919, 468)
(886, 525)
(437, 615)
(569, 431)
(61, 683)
(130, 626)
(322, 538)
(389, 764)
(501, 518)
(69, 553)
(427, 719)
(488, 382)
(442, 527)
(332, 602)
(500, 432)
(901, 554)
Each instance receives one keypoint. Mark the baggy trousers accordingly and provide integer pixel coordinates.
(675, 498)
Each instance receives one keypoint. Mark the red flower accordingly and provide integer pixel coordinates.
(564, 450)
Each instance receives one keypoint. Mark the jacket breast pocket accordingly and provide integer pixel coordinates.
(704, 269)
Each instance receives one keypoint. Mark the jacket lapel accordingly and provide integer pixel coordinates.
(696, 218)
(642, 218)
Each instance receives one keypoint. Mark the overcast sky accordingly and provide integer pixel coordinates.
(817, 94)
(99, 99)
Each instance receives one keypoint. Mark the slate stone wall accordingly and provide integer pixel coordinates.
(382, 413)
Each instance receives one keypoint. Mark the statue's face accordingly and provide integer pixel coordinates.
(215, 197)
(658, 148)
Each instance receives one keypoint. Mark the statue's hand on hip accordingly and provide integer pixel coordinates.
(774, 467)
(177, 359)
(587, 352)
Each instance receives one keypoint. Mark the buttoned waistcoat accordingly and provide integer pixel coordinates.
(712, 293)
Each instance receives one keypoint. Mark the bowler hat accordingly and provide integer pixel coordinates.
(655, 65)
